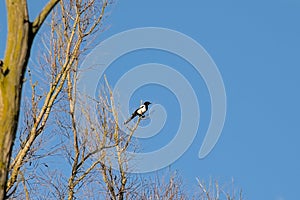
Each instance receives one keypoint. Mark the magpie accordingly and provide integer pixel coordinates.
(139, 112)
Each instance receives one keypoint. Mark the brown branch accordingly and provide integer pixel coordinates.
(107, 182)
(37, 23)
(24, 186)
(86, 172)
(93, 153)
(72, 99)
(98, 19)
(203, 189)
(131, 134)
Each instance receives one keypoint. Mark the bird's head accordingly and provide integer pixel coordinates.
(147, 103)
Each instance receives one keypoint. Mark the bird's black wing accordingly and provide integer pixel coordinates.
(135, 113)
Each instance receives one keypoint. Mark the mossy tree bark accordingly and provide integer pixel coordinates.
(20, 34)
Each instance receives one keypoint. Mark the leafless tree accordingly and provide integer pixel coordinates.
(73, 23)
(82, 144)
(168, 186)
(60, 154)
(213, 191)
(96, 140)
(20, 34)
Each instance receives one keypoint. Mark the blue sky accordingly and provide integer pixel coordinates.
(256, 46)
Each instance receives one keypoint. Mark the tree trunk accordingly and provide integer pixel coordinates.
(18, 44)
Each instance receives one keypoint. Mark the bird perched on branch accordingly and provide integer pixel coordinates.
(139, 112)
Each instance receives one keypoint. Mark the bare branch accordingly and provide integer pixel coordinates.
(65, 51)
(37, 23)
(25, 187)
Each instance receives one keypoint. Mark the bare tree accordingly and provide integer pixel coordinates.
(91, 147)
(20, 34)
(118, 182)
(102, 151)
(68, 34)
(72, 24)
(169, 186)
(213, 191)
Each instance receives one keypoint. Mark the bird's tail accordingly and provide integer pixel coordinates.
(128, 120)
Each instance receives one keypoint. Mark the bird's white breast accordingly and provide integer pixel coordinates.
(142, 110)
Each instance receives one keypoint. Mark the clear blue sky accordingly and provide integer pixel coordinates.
(256, 46)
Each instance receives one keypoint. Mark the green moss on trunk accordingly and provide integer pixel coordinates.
(16, 58)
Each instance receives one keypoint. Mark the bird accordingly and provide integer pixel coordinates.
(139, 112)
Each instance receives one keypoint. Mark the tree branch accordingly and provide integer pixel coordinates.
(37, 23)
